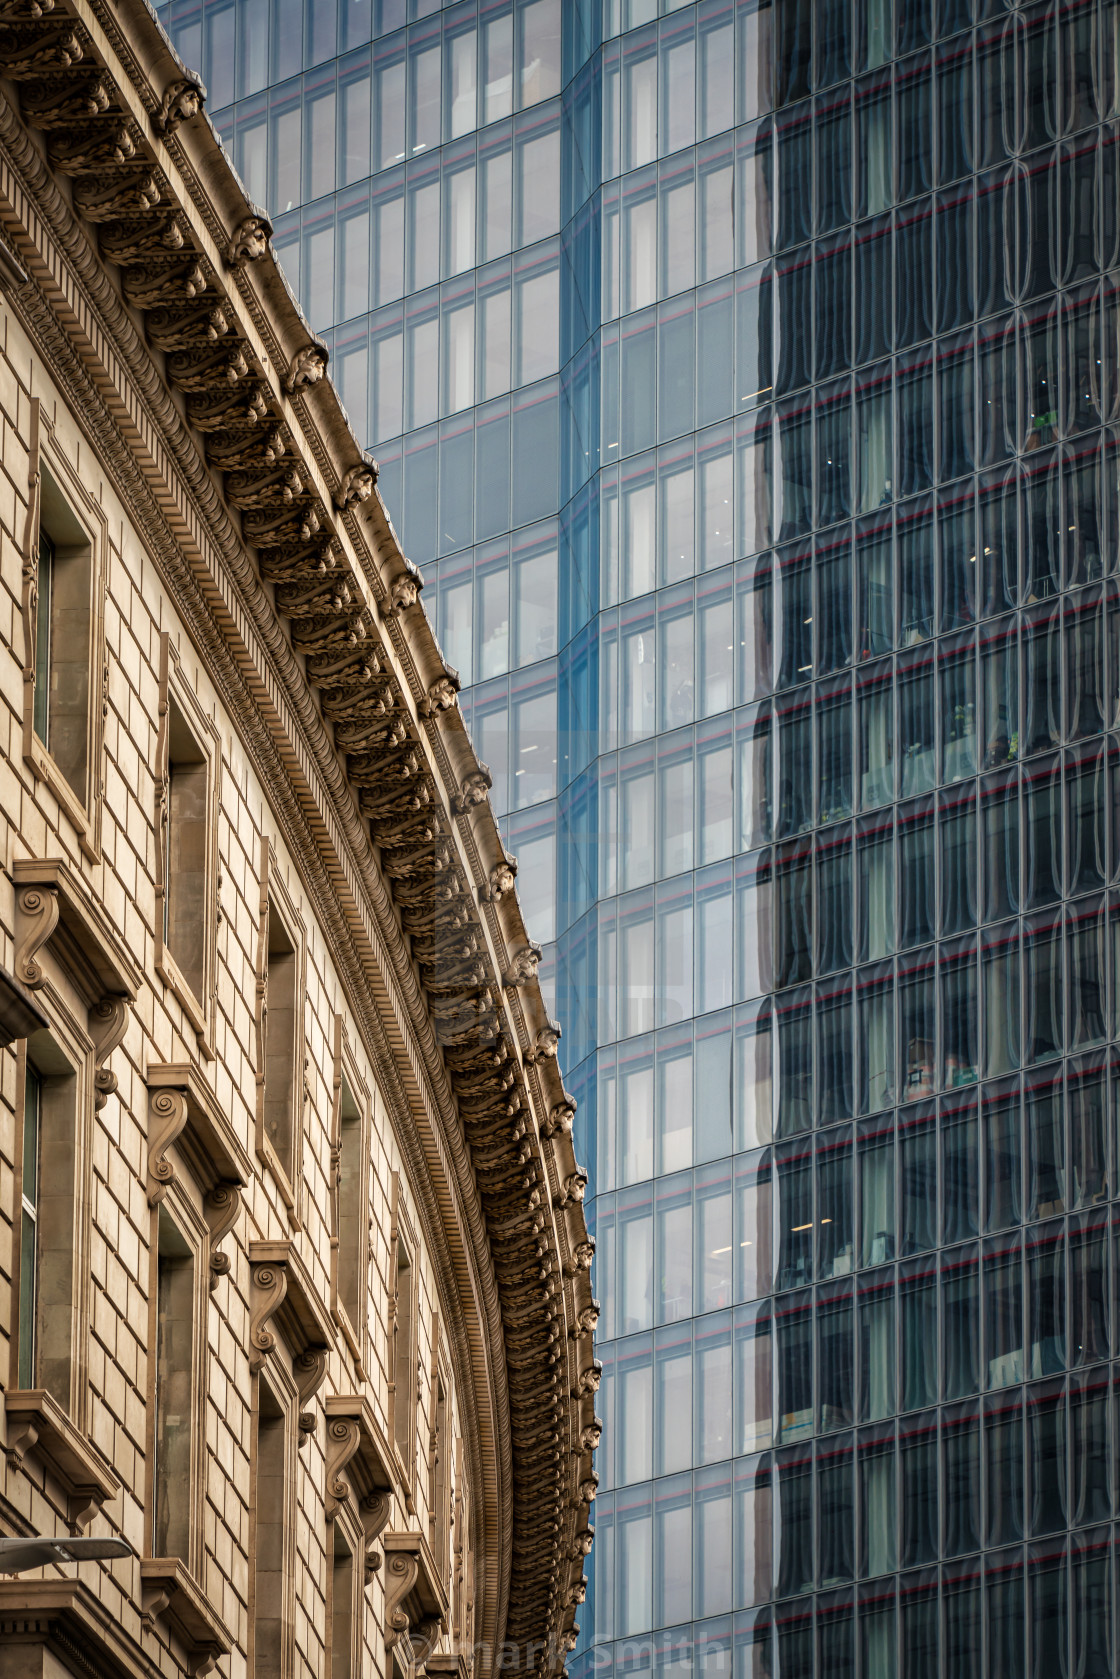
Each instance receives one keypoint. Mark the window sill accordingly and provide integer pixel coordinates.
(45, 769)
(171, 1594)
(37, 1424)
(169, 971)
(64, 1620)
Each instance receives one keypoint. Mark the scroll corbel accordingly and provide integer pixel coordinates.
(344, 1436)
(270, 1285)
(375, 1514)
(310, 1368)
(402, 1571)
(223, 1204)
(167, 1117)
(37, 911)
(109, 1021)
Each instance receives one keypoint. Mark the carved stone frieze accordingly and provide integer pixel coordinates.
(117, 194)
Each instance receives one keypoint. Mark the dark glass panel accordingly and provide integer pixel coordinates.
(918, 1465)
(1004, 1474)
(1003, 1156)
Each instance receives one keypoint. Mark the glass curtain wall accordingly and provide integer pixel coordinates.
(746, 380)
(842, 879)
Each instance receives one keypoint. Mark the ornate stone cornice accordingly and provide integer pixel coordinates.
(414, 888)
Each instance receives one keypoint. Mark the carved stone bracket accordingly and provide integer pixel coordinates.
(183, 1110)
(54, 907)
(401, 1575)
(170, 1593)
(108, 1022)
(223, 1203)
(309, 1368)
(269, 1286)
(283, 1293)
(37, 911)
(344, 1436)
(358, 1460)
(37, 1424)
(415, 1599)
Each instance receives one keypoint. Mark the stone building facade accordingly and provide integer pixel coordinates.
(293, 1268)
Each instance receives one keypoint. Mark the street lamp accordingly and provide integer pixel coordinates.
(16, 1555)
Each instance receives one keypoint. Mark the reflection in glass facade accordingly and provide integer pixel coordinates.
(746, 378)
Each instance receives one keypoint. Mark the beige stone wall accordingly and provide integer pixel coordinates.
(120, 1221)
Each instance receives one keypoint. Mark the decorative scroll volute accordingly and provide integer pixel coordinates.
(344, 1436)
(223, 1203)
(402, 1570)
(108, 1021)
(270, 1285)
(310, 1368)
(167, 1117)
(37, 911)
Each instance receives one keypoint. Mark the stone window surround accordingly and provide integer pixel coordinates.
(45, 449)
(275, 898)
(74, 967)
(199, 1010)
(346, 1069)
(402, 1236)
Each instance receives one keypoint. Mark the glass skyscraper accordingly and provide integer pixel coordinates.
(745, 378)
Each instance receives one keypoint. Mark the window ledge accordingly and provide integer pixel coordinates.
(456, 1667)
(196, 1012)
(415, 1599)
(45, 769)
(64, 1619)
(171, 1594)
(37, 1424)
(20, 1015)
(196, 1123)
(81, 934)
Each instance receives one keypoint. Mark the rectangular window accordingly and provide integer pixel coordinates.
(46, 1282)
(269, 1457)
(29, 1228)
(187, 846)
(281, 1032)
(174, 1394)
(342, 1608)
(404, 1354)
(63, 626)
(351, 1270)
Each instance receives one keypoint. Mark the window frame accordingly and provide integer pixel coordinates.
(70, 500)
(276, 899)
(190, 1226)
(403, 1397)
(346, 1075)
(175, 691)
(61, 1053)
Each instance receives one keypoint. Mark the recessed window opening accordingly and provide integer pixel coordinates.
(403, 1355)
(184, 902)
(350, 1270)
(279, 1040)
(63, 622)
(174, 1394)
(270, 1456)
(342, 1608)
(47, 1232)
